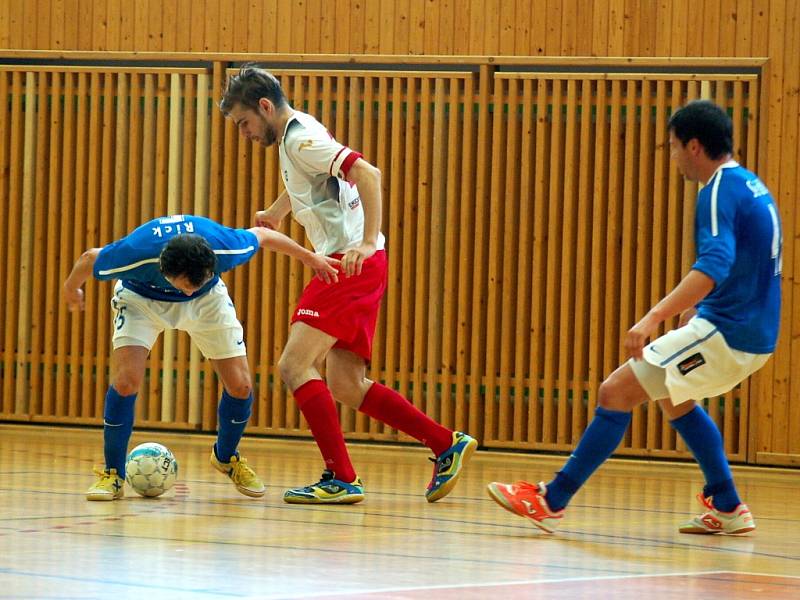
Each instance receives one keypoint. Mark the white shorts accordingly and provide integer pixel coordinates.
(693, 362)
(210, 320)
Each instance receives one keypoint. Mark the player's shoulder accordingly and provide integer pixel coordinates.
(301, 129)
(743, 183)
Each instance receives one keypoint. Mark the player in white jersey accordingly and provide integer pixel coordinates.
(336, 195)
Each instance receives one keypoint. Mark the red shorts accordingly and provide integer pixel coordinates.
(347, 310)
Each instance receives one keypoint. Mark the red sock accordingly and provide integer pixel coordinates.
(316, 403)
(386, 405)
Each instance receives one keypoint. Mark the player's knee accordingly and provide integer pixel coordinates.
(127, 384)
(241, 388)
(610, 396)
(288, 369)
(615, 394)
(344, 391)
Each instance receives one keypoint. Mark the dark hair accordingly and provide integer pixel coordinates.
(248, 86)
(188, 255)
(708, 123)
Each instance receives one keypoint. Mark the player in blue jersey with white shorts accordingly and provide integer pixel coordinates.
(168, 278)
(729, 304)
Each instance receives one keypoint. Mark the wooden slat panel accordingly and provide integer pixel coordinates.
(89, 239)
(566, 392)
(51, 360)
(506, 268)
(494, 269)
(566, 225)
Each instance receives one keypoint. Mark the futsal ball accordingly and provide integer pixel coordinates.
(151, 469)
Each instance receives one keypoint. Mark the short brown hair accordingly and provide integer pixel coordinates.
(248, 86)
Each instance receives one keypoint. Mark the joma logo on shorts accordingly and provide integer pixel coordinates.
(306, 312)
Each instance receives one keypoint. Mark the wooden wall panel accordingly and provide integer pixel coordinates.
(517, 360)
(604, 28)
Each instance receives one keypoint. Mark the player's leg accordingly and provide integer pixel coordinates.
(135, 330)
(346, 375)
(304, 350)
(619, 394)
(704, 441)
(212, 323)
(233, 412)
(719, 495)
(127, 373)
(695, 362)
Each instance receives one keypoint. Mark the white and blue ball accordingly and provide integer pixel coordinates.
(151, 469)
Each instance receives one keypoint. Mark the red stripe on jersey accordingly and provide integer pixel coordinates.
(349, 161)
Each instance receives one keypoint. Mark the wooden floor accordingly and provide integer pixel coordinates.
(205, 540)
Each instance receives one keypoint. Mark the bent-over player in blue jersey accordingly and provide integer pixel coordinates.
(729, 304)
(168, 278)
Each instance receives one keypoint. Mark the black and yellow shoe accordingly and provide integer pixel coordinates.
(109, 486)
(328, 490)
(447, 466)
(242, 475)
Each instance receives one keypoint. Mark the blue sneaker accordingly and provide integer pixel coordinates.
(328, 490)
(447, 466)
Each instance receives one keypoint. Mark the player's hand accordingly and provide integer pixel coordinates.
(74, 299)
(325, 267)
(686, 316)
(353, 259)
(637, 336)
(265, 218)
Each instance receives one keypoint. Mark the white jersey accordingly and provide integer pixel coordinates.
(314, 167)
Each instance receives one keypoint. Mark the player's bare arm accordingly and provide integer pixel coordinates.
(271, 217)
(686, 295)
(323, 266)
(81, 271)
(368, 180)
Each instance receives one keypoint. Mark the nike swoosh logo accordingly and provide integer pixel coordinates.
(240, 342)
(107, 424)
(240, 422)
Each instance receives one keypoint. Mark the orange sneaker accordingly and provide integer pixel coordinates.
(526, 500)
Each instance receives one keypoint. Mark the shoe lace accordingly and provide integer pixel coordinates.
(528, 487)
(707, 502)
(104, 474)
(241, 471)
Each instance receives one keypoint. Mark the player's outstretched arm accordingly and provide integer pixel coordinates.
(271, 217)
(323, 266)
(81, 270)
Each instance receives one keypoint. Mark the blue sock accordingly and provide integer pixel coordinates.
(599, 441)
(702, 437)
(117, 429)
(232, 414)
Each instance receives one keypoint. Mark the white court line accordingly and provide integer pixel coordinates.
(502, 583)
(761, 574)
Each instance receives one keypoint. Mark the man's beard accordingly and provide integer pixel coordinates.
(270, 134)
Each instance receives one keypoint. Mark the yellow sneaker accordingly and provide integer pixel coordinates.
(245, 479)
(109, 486)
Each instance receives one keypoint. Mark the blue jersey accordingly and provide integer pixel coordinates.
(739, 244)
(134, 259)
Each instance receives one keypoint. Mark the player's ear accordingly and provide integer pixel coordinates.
(266, 105)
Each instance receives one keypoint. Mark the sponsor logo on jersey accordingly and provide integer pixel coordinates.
(307, 312)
